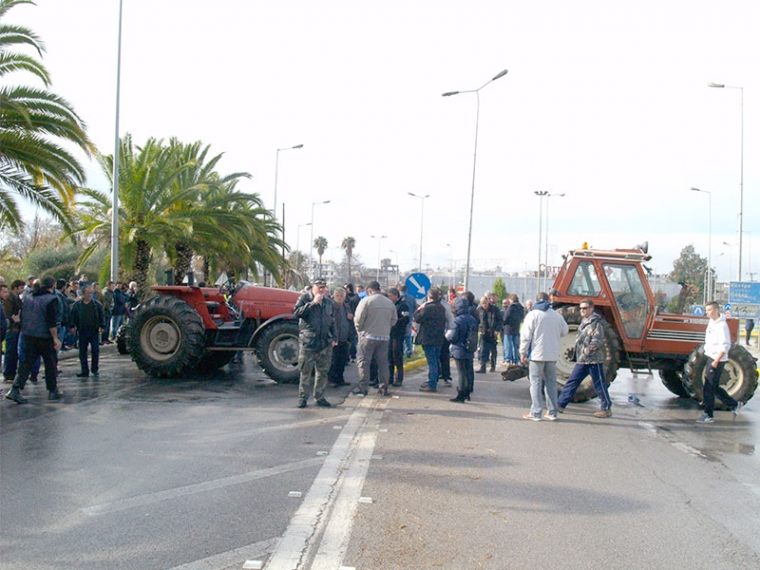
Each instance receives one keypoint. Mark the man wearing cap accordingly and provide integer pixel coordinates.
(554, 298)
(316, 337)
(39, 326)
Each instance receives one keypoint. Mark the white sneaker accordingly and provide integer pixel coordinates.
(551, 418)
(705, 419)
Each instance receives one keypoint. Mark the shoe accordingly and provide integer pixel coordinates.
(358, 391)
(705, 419)
(530, 416)
(397, 383)
(481, 370)
(447, 383)
(322, 403)
(15, 395)
(333, 384)
(96, 373)
(550, 417)
(737, 409)
(561, 409)
(301, 403)
(374, 385)
(460, 397)
(33, 379)
(55, 395)
(493, 368)
(6, 379)
(82, 374)
(603, 414)
(427, 388)
(383, 391)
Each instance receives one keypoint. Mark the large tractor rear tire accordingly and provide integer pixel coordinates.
(121, 340)
(739, 377)
(277, 352)
(672, 380)
(165, 337)
(565, 364)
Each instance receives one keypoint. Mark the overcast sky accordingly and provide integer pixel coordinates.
(606, 102)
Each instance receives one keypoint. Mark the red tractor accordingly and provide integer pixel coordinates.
(185, 330)
(639, 337)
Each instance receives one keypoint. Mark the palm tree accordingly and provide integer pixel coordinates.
(320, 244)
(32, 164)
(348, 244)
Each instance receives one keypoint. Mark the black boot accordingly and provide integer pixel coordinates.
(482, 369)
(493, 367)
(15, 395)
(460, 397)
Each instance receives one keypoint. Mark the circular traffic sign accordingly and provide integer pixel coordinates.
(418, 285)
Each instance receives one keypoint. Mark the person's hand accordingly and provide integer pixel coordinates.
(350, 316)
(57, 344)
(318, 298)
(523, 359)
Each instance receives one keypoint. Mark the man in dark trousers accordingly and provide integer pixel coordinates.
(396, 347)
(12, 310)
(39, 326)
(88, 318)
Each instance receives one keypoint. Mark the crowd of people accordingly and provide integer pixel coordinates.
(42, 317)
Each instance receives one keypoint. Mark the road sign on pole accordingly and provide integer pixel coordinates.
(418, 285)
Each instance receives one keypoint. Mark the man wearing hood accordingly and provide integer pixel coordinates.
(540, 334)
(717, 345)
(589, 357)
(464, 322)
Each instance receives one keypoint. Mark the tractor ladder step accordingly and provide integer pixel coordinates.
(637, 365)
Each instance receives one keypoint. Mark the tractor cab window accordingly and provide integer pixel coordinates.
(585, 282)
(630, 297)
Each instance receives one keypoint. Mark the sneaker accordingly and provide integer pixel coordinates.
(447, 383)
(33, 379)
(358, 391)
(561, 409)
(705, 419)
(603, 414)
(550, 417)
(530, 416)
(737, 409)
(301, 403)
(427, 388)
(322, 403)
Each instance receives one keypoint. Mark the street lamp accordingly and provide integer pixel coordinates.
(422, 219)
(741, 179)
(311, 238)
(540, 194)
(730, 256)
(708, 293)
(115, 175)
(298, 237)
(379, 241)
(276, 169)
(546, 254)
(451, 263)
(474, 162)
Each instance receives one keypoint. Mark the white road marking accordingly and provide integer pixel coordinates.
(318, 533)
(231, 558)
(159, 496)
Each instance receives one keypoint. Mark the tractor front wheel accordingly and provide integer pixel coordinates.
(672, 380)
(277, 351)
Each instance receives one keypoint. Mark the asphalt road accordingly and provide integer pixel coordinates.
(133, 473)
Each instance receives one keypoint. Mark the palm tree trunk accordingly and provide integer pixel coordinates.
(141, 266)
(184, 261)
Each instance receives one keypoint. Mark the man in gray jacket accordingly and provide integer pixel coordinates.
(540, 335)
(375, 316)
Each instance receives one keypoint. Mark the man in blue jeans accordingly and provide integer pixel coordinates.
(589, 355)
(88, 318)
(431, 321)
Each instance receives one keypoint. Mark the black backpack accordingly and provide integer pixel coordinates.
(471, 344)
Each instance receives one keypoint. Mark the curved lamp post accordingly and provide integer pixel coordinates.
(422, 219)
(474, 162)
(741, 172)
(708, 293)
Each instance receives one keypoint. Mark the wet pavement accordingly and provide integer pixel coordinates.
(205, 473)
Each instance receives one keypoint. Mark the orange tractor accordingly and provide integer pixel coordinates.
(185, 330)
(639, 337)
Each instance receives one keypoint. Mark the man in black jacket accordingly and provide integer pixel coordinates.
(396, 346)
(88, 317)
(514, 313)
(316, 338)
(39, 325)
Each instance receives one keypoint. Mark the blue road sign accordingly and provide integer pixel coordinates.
(744, 292)
(727, 307)
(418, 285)
(698, 311)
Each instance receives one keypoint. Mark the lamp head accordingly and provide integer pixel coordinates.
(449, 93)
(500, 74)
(716, 85)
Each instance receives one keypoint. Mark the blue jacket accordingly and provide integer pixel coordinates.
(457, 336)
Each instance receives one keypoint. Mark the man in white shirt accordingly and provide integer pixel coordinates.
(717, 345)
(540, 335)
